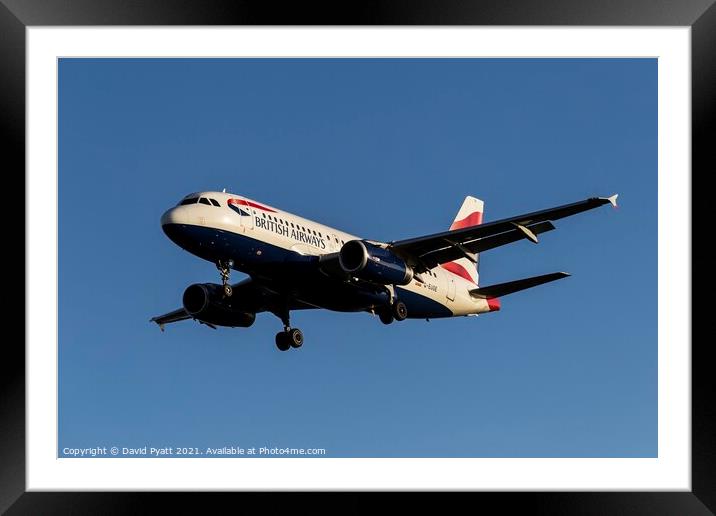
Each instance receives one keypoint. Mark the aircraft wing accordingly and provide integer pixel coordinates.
(254, 296)
(247, 289)
(428, 251)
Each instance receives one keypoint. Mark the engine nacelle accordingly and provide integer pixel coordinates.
(372, 263)
(206, 302)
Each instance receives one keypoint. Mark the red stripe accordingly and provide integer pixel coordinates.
(243, 202)
(474, 219)
(493, 303)
(458, 269)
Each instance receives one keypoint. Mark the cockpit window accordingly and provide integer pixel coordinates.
(204, 200)
(192, 200)
(215, 202)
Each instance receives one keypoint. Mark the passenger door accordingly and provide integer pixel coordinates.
(450, 287)
(333, 245)
(247, 221)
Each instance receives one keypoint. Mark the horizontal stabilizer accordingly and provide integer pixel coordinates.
(502, 289)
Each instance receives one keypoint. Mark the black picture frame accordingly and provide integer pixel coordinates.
(16, 15)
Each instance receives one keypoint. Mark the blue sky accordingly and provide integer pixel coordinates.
(386, 149)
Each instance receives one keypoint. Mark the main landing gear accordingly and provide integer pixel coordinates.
(289, 337)
(225, 270)
(396, 312)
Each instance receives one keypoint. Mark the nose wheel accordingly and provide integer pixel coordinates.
(225, 271)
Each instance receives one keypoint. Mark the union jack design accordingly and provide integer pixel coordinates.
(470, 214)
(235, 204)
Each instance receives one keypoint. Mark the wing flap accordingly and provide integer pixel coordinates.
(503, 289)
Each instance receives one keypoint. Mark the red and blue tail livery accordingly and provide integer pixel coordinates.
(295, 264)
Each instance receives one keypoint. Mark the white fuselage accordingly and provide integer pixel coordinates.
(280, 230)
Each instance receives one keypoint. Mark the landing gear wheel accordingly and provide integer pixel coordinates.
(289, 337)
(385, 316)
(282, 342)
(295, 337)
(400, 311)
(228, 290)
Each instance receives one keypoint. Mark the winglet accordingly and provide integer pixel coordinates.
(613, 199)
(156, 320)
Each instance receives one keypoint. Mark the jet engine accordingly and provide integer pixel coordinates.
(206, 302)
(373, 263)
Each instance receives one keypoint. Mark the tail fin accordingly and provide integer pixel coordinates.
(470, 214)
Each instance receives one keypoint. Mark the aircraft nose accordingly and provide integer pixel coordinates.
(174, 225)
(170, 217)
(174, 222)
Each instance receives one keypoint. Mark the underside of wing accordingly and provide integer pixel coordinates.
(246, 292)
(207, 304)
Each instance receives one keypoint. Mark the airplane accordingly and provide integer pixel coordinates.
(297, 264)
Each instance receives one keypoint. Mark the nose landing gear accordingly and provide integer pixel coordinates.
(225, 270)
